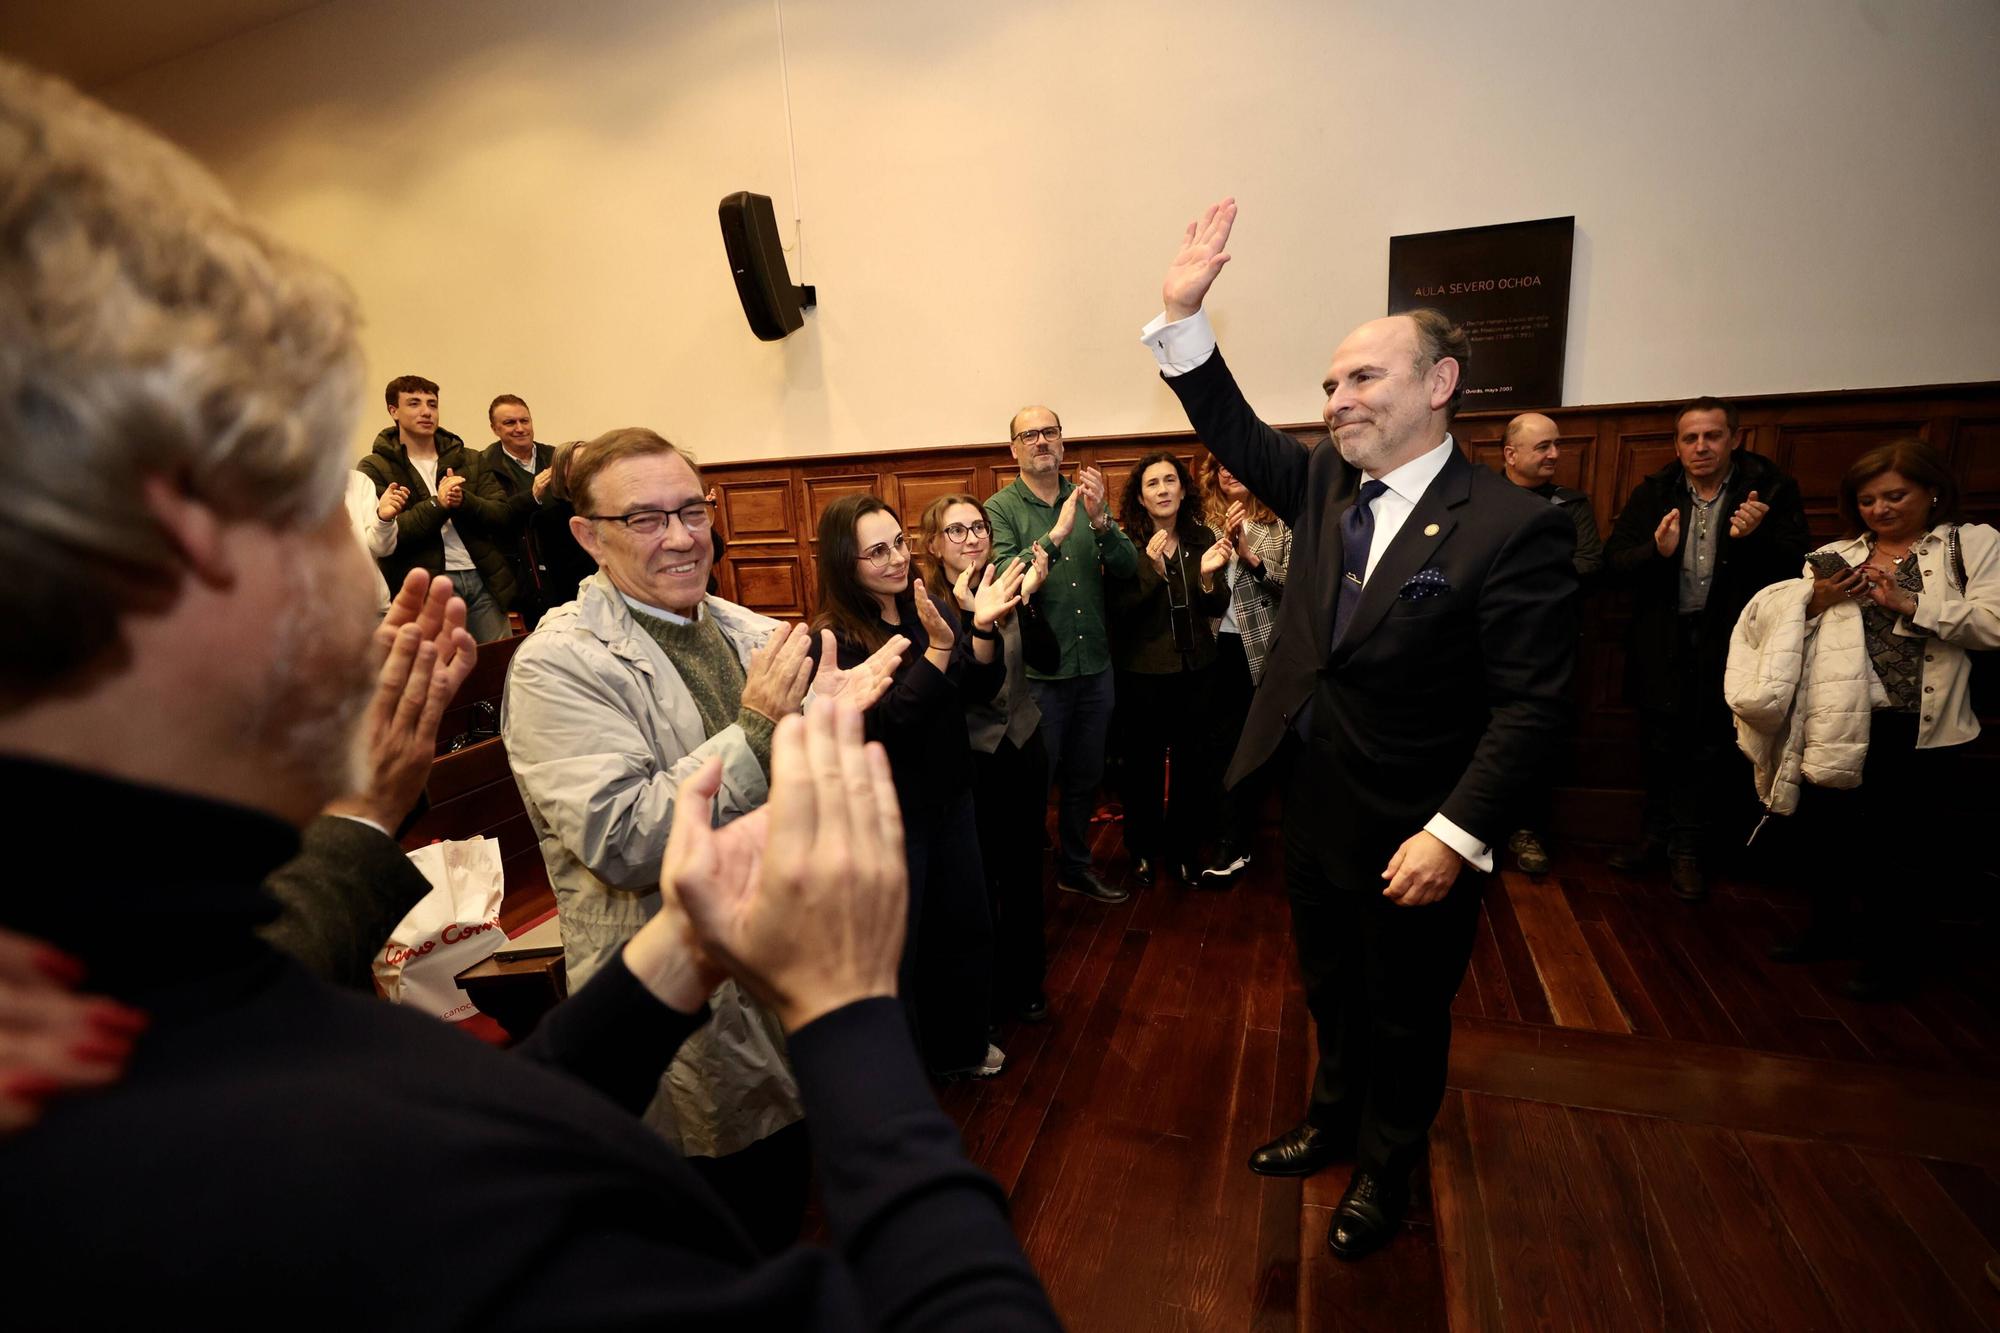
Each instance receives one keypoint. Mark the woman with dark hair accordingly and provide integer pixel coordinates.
(1927, 589)
(866, 597)
(1260, 555)
(1164, 654)
(1009, 763)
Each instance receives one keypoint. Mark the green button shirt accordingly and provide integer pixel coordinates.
(1072, 599)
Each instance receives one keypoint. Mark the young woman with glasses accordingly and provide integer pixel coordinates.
(1009, 762)
(867, 596)
(1164, 654)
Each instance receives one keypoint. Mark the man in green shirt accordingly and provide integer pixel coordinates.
(1040, 506)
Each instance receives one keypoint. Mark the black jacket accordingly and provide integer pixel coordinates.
(921, 719)
(1446, 693)
(499, 481)
(282, 1152)
(1773, 551)
(1159, 626)
(1589, 557)
(480, 522)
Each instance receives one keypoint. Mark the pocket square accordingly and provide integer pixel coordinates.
(1424, 583)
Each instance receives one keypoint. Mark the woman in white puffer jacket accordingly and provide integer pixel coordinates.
(1928, 588)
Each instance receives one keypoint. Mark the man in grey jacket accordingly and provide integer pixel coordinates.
(611, 704)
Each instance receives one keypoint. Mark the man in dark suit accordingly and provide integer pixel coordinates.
(514, 477)
(1422, 657)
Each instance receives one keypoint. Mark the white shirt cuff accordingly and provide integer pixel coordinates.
(1182, 345)
(1476, 853)
(362, 819)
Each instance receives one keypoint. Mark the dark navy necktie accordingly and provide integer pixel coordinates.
(1357, 533)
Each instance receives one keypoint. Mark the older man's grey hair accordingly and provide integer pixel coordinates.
(145, 328)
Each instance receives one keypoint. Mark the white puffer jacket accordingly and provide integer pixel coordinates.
(1802, 693)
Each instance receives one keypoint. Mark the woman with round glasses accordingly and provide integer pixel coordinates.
(1009, 763)
(866, 596)
(1164, 653)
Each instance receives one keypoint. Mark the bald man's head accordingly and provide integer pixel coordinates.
(1529, 450)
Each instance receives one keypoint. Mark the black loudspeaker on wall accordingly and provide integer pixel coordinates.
(774, 306)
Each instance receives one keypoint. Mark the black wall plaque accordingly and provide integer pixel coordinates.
(1508, 284)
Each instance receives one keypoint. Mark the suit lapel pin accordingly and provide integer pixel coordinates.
(1430, 529)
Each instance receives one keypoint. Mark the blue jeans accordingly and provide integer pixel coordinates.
(484, 617)
(1076, 719)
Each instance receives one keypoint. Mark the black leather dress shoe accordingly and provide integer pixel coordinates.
(1300, 1151)
(1034, 1011)
(1142, 871)
(1365, 1219)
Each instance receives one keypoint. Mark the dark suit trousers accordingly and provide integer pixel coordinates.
(1695, 777)
(1379, 978)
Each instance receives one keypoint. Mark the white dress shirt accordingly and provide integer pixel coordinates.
(1185, 344)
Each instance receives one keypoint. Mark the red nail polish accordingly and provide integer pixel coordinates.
(28, 1087)
(101, 1050)
(112, 1019)
(58, 966)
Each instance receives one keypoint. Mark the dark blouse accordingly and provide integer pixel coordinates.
(1898, 658)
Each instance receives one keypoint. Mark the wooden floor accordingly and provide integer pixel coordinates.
(1649, 1125)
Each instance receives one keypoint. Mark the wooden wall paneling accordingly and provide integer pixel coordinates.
(1976, 459)
(757, 509)
(921, 486)
(773, 584)
(823, 488)
(1639, 454)
(1818, 453)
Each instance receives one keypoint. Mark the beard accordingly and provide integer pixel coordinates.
(1366, 453)
(307, 712)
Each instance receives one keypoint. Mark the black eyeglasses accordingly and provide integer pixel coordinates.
(695, 517)
(1049, 433)
(881, 553)
(956, 533)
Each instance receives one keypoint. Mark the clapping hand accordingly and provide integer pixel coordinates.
(422, 653)
(1203, 252)
(1235, 527)
(995, 597)
(862, 685)
(1214, 560)
(938, 629)
(1156, 549)
(451, 490)
(1038, 572)
(803, 901)
(775, 678)
(392, 502)
(541, 483)
(1090, 485)
(1667, 536)
(1066, 517)
(1747, 516)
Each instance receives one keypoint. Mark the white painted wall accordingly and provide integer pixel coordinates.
(1771, 195)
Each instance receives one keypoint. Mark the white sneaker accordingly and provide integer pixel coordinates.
(991, 1065)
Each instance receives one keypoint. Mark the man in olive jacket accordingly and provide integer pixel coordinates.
(447, 527)
(1697, 539)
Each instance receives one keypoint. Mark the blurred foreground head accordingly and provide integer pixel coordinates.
(176, 392)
